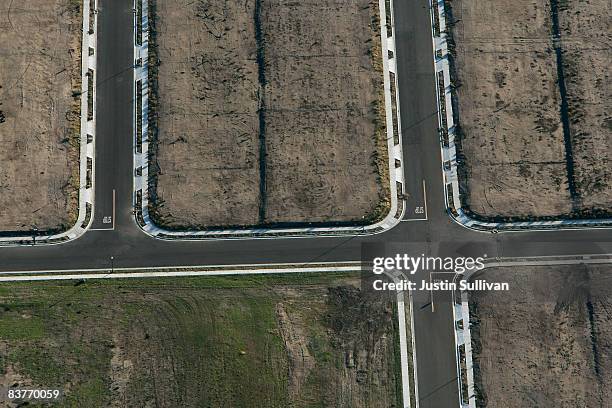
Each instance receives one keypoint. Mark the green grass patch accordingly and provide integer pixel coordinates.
(201, 341)
(20, 327)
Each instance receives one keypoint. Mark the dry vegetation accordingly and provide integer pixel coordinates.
(548, 341)
(512, 139)
(203, 342)
(39, 114)
(267, 114)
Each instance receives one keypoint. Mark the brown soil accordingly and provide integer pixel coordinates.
(360, 324)
(548, 341)
(268, 114)
(587, 39)
(509, 107)
(207, 159)
(299, 357)
(322, 133)
(512, 138)
(40, 76)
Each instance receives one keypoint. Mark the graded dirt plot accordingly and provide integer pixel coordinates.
(511, 132)
(40, 60)
(207, 160)
(324, 141)
(535, 135)
(267, 113)
(548, 341)
(586, 42)
(263, 342)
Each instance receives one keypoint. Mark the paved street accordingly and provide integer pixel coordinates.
(437, 235)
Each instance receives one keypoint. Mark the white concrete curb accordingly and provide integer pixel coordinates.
(141, 170)
(403, 340)
(121, 274)
(461, 312)
(86, 153)
(448, 148)
(463, 337)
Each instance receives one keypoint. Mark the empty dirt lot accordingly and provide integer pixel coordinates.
(548, 341)
(267, 113)
(281, 342)
(39, 113)
(587, 46)
(526, 144)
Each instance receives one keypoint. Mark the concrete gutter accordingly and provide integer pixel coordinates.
(448, 147)
(86, 145)
(141, 168)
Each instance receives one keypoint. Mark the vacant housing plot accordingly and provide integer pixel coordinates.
(508, 104)
(267, 113)
(202, 342)
(323, 92)
(40, 76)
(531, 85)
(547, 341)
(587, 57)
(207, 160)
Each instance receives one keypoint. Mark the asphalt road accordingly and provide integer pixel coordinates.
(113, 102)
(437, 235)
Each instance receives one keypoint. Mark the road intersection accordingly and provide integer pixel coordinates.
(435, 233)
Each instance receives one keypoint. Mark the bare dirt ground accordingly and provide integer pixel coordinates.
(548, 341)
(586, 41)
(207, 126)
(39, 113)
(512, 138)
(268, 113)
(513, 144)
(323, 87)
(281, 342)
